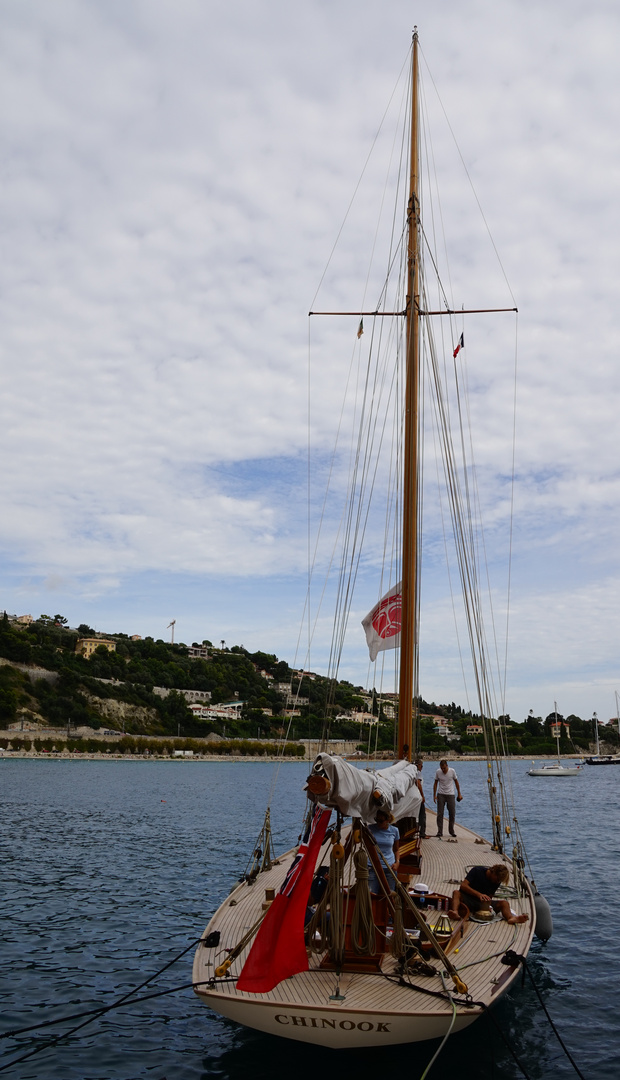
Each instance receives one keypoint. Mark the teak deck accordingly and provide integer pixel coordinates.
(476, 955)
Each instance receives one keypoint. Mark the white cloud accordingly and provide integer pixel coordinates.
(173, 178)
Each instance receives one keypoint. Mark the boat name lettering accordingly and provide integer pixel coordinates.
(324, 1022)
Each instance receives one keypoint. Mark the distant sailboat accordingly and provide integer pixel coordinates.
(605, 759)
(557, 769)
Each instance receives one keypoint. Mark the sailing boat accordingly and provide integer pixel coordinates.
(302, 947)
(557, 768)
(604, 759)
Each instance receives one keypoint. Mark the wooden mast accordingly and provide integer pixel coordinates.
(408, 640)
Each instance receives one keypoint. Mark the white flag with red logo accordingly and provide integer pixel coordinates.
(382, 624)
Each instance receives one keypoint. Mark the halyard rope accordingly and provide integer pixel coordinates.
(362, 922)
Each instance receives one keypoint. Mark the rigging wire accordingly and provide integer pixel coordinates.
(466, 492)
(380, 382)
(357, 187)
(395, 247)
(372, 386)
(468, 175)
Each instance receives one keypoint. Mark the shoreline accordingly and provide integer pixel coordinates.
(239, 759)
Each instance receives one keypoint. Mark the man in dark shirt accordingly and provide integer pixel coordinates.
(476, 894)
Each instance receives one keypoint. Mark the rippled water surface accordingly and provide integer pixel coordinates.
(109, 870)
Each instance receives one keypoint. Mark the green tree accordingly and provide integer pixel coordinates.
(8, 705)
(14, 645)
(175, 711)
(533, 724)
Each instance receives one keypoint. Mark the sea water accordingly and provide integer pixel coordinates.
(109, 870)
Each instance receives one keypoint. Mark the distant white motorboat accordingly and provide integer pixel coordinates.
(557, 768)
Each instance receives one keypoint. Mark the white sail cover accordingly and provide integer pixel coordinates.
(352, 790)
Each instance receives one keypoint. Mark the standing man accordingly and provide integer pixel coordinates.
(422, 812)
(446, 791)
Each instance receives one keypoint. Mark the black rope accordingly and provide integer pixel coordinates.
(402, 981)
(489, 1014)
(101, 1009)
(512, 959)
(93, 1014)
(466, 1003)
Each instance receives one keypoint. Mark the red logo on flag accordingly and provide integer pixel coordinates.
(387, 617)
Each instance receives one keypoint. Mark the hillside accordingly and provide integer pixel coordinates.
(143, 686)
(46, 679)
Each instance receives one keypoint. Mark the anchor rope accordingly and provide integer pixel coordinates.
(448, 1032)
(130, 999)
(467, 1003)
(93, 1014)
(518, 959)
(101, 1009)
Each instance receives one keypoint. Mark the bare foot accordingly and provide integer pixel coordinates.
(517, 919)
(454, 915)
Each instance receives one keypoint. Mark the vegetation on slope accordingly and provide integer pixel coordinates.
(78, 690)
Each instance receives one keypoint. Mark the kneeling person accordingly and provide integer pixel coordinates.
(476, 894)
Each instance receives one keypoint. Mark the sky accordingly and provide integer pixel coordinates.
(173, 177)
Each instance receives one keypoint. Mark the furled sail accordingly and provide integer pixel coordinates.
(360, 793)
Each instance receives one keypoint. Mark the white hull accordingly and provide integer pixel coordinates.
(554, 770)
(338, 1029)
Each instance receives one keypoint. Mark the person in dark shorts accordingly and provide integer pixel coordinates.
(422, 811)
(476, 894)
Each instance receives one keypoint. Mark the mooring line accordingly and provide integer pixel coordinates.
(93, 1014)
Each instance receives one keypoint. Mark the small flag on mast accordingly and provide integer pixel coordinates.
(360, 329)
(459, 345)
